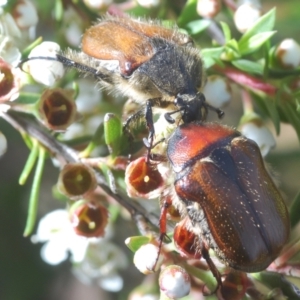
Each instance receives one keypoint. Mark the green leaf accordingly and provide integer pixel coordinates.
(194, 27)
(248, 66)
(28, 49)
(135, 242)
(226, 31)
(58, 10)
(34, 194)
(231, 50)
(254, 42)
(30, 162)
(211, 55)
(112, 133)
(27, 98)
(188, 13)
(263, 24)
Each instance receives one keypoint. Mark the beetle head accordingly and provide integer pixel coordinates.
(192, 108)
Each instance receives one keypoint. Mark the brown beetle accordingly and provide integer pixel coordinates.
(151, 64)
(233, 204)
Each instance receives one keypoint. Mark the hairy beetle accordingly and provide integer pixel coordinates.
(232, 203)
(153, 65)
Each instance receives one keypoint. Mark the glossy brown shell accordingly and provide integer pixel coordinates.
(245, 220)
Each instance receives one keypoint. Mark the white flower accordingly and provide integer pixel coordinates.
(25, 14)
(9, 35)
(94, 259)
(45, 71)
(217, 91)
(261, 135)
(101, 264)
(288, 53)
(148, 3)
(175, 282)
(147, 258)
(246, 15)
(60, 239)
(208, 8)
(8, 26)
(97, 4)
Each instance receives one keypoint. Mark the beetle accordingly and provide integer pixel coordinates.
(154, 65)
(232, 202)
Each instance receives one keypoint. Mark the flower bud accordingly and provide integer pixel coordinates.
(97, 4)
(149, 3)
(10, 82)
(76, 180)
(57, 109)
(175, 282)
(186, 241)
(112, 133)
(147, 258)
(217, 91)
(25, 14)
(246, 15)
(143, 179)
(288, 53)
(258, 132)
(45, 71)
(88, 219)
(208, 8)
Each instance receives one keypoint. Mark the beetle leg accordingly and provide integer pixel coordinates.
(145, 114)
(150, 125)
(211, 265)
(162, 227)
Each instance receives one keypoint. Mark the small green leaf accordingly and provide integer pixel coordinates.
(226, 31)
(135, 242)
(112, 133)
(254, 42)
(27, 98)
(28, 49)
(30, 162)
(195, 27)
(58, 10)
(248, 66)
(188, 13)
(231, 50)
(211, 55)
(263, 24)
(34, 194)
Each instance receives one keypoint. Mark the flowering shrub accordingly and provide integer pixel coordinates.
(107, 171)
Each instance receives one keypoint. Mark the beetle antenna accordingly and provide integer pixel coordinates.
(219, 112)
(65, 61)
